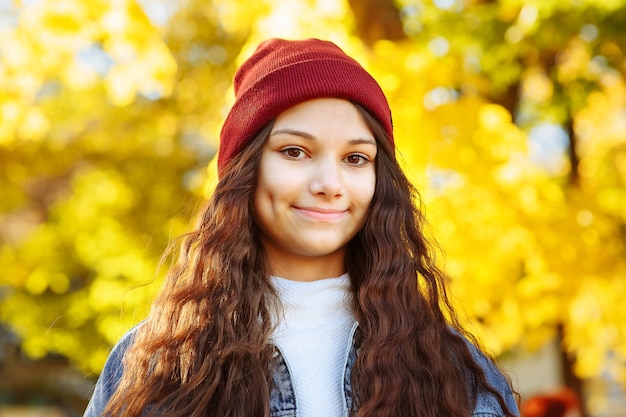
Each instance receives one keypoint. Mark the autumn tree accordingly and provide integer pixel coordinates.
(108, 123)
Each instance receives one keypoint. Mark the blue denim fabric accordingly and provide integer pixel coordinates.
(283, 398)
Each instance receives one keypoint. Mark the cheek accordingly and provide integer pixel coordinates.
(368, 188)
(362, 195)
(272, 193)
(262, 214)
(269, 188)
(264, 182)
(262, 200)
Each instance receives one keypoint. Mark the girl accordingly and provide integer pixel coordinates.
(307, 288)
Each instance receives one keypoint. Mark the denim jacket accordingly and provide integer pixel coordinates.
(283, 398)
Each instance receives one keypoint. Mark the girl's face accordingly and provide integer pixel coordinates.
(315, 184)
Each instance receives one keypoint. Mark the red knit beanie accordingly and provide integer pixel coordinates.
(283, 73)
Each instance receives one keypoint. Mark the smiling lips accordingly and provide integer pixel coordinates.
(320, 213)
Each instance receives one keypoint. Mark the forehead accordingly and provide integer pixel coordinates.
(323, 116)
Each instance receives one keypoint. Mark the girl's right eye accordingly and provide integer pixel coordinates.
(294, 153)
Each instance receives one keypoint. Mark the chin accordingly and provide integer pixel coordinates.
(322, 250)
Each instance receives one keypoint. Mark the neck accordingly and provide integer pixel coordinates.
(306, 268)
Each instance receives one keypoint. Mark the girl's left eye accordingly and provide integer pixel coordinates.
(356, 159)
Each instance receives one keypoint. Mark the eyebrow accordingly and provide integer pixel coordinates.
(305, 135)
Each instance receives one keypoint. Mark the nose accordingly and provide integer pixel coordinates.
(326, 178)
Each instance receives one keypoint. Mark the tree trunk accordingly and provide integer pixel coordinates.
(377, 20)
(574, 160)
(570, 379)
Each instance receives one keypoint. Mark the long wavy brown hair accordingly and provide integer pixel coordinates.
(205, 350)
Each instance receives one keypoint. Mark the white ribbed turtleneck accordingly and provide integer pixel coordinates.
(313, 334)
